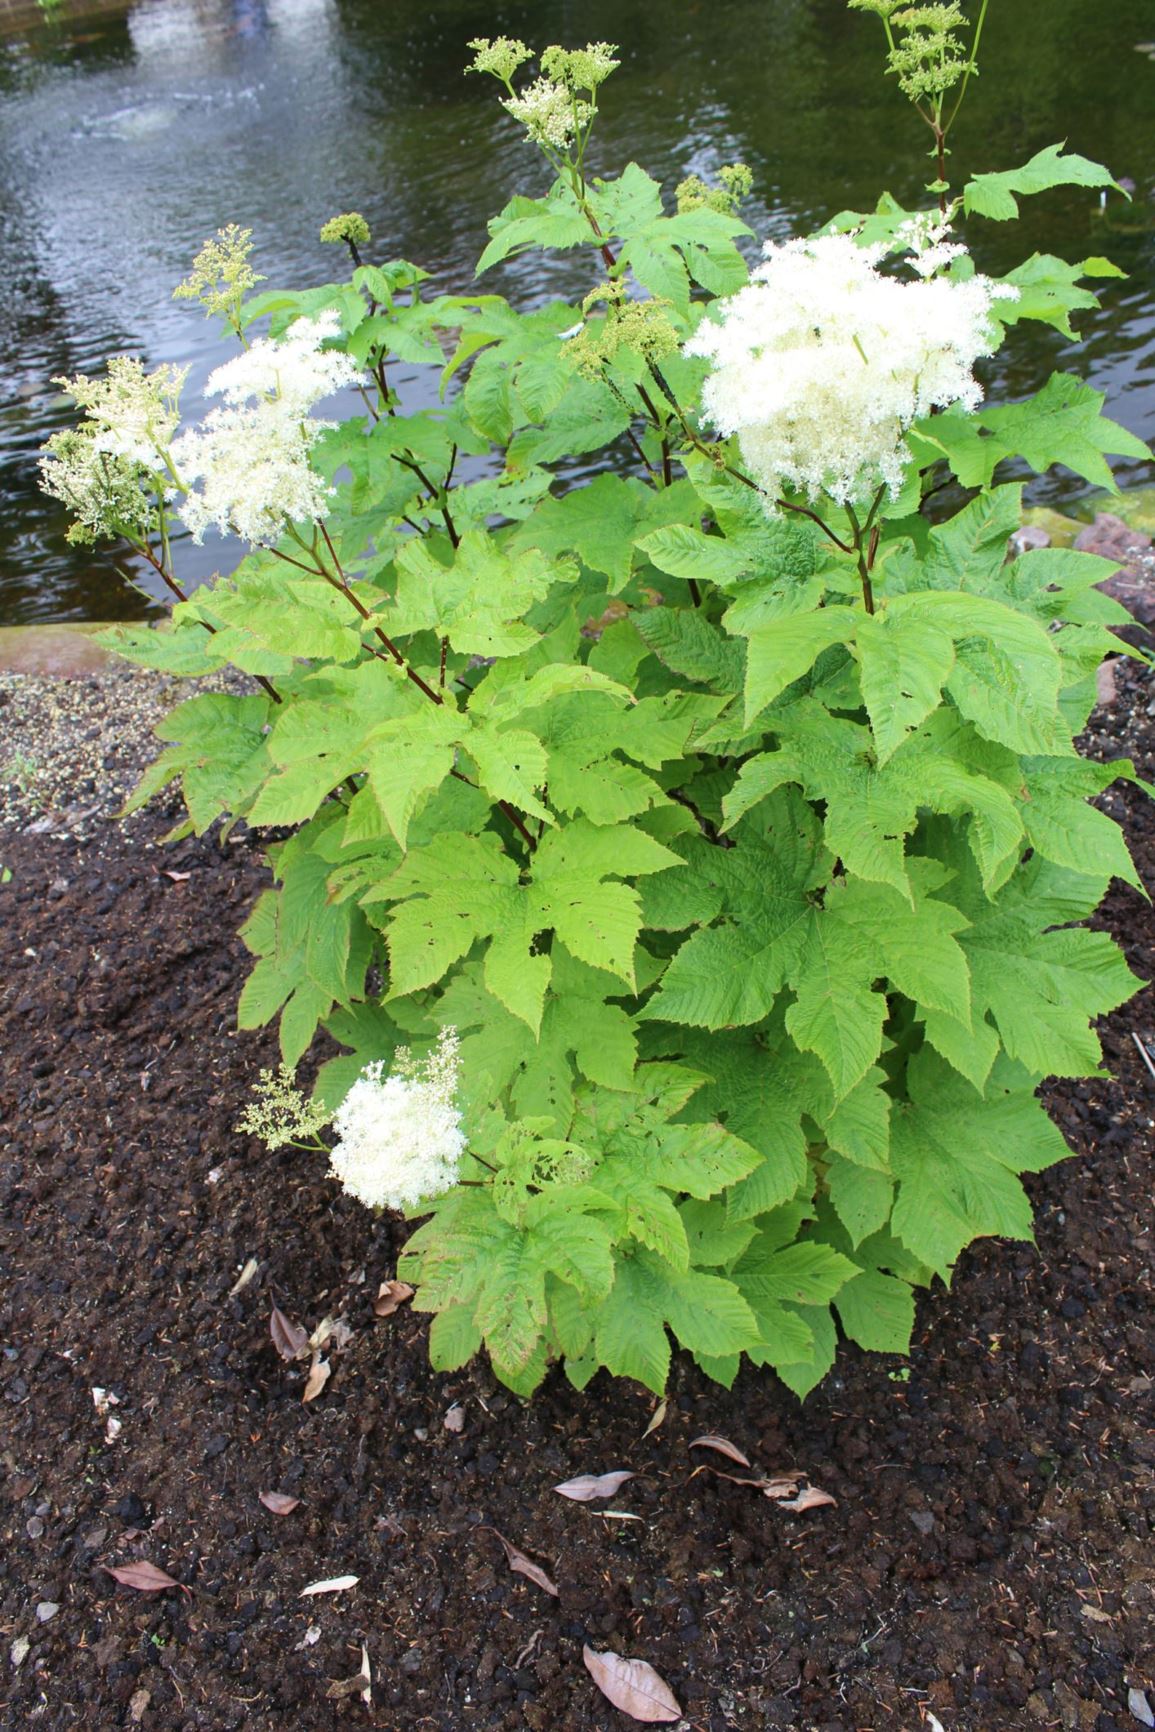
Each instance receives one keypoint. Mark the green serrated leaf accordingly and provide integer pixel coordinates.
(993, 195)
(877, 1311)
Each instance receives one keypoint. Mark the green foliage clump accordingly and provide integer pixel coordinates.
(744, 843)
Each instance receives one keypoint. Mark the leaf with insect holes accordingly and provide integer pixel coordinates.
(588, 1486)
(723, 1446)
(524, 1566)
(289, 1339)
(145, 1577)
(633, 1686)
(279, 1502)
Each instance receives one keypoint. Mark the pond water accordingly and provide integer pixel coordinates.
(129, 134)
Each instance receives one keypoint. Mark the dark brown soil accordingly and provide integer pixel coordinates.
(988, 1564)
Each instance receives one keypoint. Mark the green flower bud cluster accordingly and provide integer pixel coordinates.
(643, 327)
(580, 68)
(930, 59)
(221, 275)
(696, 194)
(350, 227)
(500, 57)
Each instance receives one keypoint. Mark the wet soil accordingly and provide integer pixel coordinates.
(988, 1564)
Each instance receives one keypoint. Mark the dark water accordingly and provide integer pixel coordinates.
(125, 141)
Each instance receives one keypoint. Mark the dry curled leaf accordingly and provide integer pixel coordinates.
(633, 1686)
(524, 1566)
(808, 1498)
(145, 1577)
(279, 1502)
(251, 1268)
(723, 1446)
(588, 1486)
(360, 1684)
(319, 1373)
(332, 1585)
(391, 1296)
(769, 1487)
(289, 1339)
(333, 1331)
(656, 1419)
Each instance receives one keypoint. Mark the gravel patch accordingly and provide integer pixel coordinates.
(73, 750)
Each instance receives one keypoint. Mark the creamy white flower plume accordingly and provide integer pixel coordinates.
(821, 364)
(292, 370)
(106, 469)
(254, 473)
(401, 1138)
(549, 113)
(251, 457)
(926, 238)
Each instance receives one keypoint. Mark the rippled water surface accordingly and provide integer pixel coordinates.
(128, 135)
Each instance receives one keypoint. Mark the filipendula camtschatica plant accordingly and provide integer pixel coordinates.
(694, 863)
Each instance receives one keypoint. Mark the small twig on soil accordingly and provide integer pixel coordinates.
(1143, 1053)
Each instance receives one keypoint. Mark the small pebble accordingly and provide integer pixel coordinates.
(45, 1610)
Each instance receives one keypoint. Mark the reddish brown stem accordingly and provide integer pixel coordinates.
(435, 697)
(174, 586)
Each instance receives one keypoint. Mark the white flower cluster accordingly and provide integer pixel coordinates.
(106, 469)
(925, 236)
(252, 456)
(821, 364)
(401, 1141)
(549, 113)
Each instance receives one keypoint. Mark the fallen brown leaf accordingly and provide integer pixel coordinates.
(1096, 1616)
(145, 1577)
(332, 1585)
(633, 1686)
(319, 1374)
(778, 1488)
(289, 1339)
(391, 1297)
(361, 1684)
(808, 1498)
(279, 1502)
(332, 1331)
(723, 1446)
(771, 1487)
(656, 1419)
(251, 1268)
(524, 1566)
(588, 1486)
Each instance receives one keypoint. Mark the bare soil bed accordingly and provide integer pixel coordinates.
(989, 1561)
